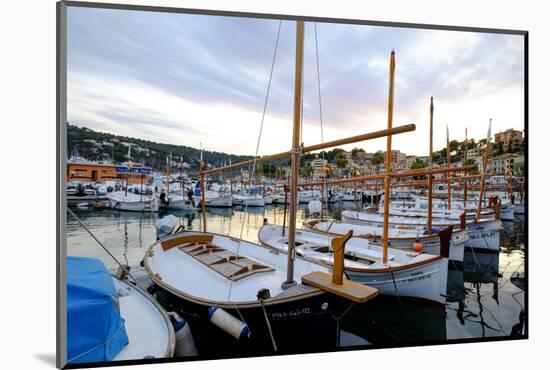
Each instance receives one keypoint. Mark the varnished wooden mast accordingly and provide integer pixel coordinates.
(449, 166)
(295, 155)
(430, 165)
(387, 176)
(483, 174)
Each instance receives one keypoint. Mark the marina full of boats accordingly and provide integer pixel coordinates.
(207, 293)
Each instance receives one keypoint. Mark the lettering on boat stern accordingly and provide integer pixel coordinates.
(282, 315)
(484, 235)
(419, 275)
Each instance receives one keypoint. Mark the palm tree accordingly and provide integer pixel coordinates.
(341, 161)
(418, 164)
(307, 170)
(377, 160)
(471, 162)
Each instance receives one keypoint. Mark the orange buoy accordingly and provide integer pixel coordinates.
(417, 246)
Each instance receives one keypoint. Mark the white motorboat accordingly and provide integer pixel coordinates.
(178, 202)
(127, 201)
(250, 200)
(306, 196)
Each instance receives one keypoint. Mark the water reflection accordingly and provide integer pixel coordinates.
(485, 294)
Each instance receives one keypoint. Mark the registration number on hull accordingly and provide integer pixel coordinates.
(419, 275)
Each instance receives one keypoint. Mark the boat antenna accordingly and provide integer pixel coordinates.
(323, 188)
(126, 270)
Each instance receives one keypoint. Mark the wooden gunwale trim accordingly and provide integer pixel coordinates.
(222, 304)
(355, 269)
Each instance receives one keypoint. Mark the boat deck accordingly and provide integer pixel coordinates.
(224, 262)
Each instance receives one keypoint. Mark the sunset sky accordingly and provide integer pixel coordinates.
(189, 79)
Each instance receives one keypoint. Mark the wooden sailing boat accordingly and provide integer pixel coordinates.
(400, 237)
(392, 271)
(484, 233)
(200, 272)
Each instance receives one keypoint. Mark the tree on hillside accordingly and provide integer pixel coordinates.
(454, 145)
(280, 172)
(341, 161)
(418, 164)
(307, 170)
(356, 151)
(471, 162)
(510, 149)
(499, 148)
(377, 160)
(519, 169)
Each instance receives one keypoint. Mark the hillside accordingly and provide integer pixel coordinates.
(98, 146)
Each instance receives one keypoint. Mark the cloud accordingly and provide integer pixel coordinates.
(166, 77)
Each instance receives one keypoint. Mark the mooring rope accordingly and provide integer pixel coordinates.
(105, 249)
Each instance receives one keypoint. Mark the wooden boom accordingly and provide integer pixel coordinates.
(312, 148)
(393, 175)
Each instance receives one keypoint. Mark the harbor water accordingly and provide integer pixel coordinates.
(485, 296)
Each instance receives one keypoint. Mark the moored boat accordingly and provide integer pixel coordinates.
(127, 201)
(244, 279)
(399, 237)
(110, 319)
(250, 200)
(483, 233)
(418, 276)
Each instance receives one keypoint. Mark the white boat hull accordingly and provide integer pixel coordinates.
(430, 244)
(426, 282)
(250, 202)
(133, 203)
(179, 204)
(422, 277)
(482, 235)
(507, 213)
(519, 209)
(219, 202)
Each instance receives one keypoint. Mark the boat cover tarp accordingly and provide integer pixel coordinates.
(95, 329)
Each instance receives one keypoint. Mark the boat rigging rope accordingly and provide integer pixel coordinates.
(321, 123)
(247, 200)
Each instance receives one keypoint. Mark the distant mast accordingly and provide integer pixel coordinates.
(465, 160)
(449, 166)
(485, 156)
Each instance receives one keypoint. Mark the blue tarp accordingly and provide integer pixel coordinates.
(95, 330)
